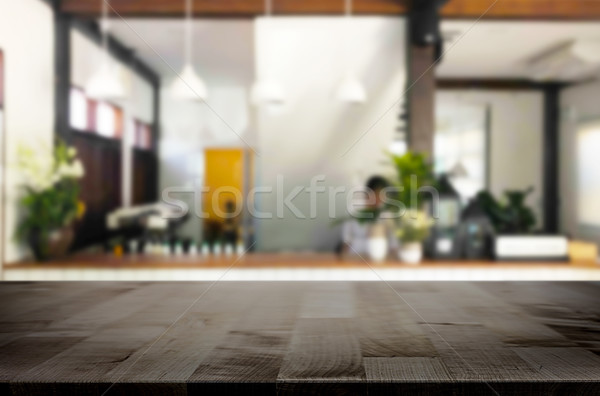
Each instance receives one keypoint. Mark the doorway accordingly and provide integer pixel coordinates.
(228, 178)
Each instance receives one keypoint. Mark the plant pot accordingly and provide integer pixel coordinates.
(52, 245)
(377, 245)
(411, 253)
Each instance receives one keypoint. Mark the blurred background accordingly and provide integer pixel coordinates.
(114, 115)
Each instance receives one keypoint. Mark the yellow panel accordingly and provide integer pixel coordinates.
(224, 171)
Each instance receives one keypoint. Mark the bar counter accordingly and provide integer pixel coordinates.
(288, 266)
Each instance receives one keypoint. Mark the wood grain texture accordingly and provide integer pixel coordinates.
(299, 338)
(490, 9)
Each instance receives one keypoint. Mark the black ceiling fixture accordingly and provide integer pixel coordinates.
(424, 20)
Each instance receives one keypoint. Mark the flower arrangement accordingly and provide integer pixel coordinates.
(51, 195)
(414, 226)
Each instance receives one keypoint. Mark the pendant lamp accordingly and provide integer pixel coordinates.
(188, 85)
(350, 90)
(266, 90)
(105, 82)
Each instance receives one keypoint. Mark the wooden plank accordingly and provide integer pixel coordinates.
(385, 325)
(274, 338)
(256, 343)
(329, 300)
(436, 308)
(469, 9)
(179, 351)
(569, 364)
(25, 353)
(507, 321)
(62, 300)
(523, 9)
(252, 350)
(106, 312)
(406, 369)
(124, 327)
(322, 350)
(234, 8)
(474, 353)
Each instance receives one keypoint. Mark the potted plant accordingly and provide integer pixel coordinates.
(511, 216)
(50, 200)
(413, 229)
(413, 172)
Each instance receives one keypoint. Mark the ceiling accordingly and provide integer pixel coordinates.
(223, 49)
(500, 49)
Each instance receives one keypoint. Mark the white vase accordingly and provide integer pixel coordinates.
(411, 253)
(378, 248)
(377, 244)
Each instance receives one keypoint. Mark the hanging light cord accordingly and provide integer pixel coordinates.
(188, 31)
(104, 26)
(348, 29)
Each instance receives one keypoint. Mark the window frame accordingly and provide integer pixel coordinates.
(580, 128)
(92, 117)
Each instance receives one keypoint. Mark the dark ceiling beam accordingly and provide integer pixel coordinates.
(234, 8)
(492, 84)
(455, 9)
(523, 9)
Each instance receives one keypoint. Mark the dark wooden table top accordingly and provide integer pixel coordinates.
(300, 337)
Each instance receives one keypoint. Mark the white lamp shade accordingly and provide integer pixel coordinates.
(188, 85)
(267, 92)
(351, 91)
(105, 84)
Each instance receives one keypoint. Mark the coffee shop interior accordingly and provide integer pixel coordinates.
(203, 140)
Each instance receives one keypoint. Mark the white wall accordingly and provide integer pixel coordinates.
(27, 39)
(516, 139)
(578, 104)
(310, 134)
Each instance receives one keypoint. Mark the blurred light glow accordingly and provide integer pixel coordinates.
(105, 84)
(399, 147)
(267, 92)
(78, 113)
(105, 120)
(351, 91)
(188, 85)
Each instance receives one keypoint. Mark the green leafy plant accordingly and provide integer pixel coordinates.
(50, 191)
(414, 226)
(510, 216)
(413, 171)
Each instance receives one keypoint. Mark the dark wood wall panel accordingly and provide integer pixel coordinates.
(100, 187)
(145, 177)
(489, 9)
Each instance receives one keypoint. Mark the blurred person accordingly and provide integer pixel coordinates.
(356, 232)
